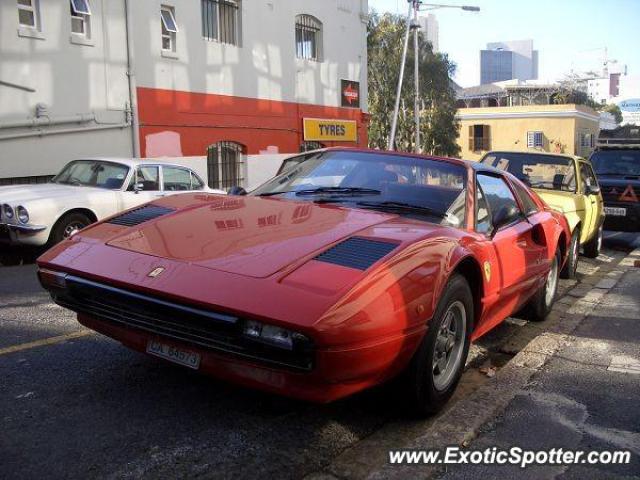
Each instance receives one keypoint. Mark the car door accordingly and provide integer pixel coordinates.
(180, 180)
(519, 258)
(144, 186)
(592, 201)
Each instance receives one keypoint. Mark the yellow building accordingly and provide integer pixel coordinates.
(570, 129)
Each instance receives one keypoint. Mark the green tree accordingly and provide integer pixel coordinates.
(439, 127)
(615, 111)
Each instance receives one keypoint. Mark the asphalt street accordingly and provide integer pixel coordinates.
(75, 404)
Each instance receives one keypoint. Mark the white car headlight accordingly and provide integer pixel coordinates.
(23, 214)
(8, 211)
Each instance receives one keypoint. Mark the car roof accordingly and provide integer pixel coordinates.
(528, 152)
(133, 162)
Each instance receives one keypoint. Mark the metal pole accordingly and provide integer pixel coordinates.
(416, 67)
(394, 122)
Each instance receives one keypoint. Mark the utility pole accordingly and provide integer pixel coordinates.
(413, 24)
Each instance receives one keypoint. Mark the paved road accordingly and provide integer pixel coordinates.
(87, 407)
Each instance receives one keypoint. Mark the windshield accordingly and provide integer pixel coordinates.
(616, 162)
(428, 189)
(93, 173)
(549, 172)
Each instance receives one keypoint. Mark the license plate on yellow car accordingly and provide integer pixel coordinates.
(180, 356)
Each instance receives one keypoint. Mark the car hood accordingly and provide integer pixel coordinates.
(21, 194)
(564, 202)
(248, 236)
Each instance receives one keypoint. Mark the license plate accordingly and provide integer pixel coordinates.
(615, 211)
(174, 354)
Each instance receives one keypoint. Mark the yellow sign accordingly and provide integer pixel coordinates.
(318, 130)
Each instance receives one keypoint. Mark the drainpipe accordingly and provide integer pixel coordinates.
(46, 121)
(131, 75)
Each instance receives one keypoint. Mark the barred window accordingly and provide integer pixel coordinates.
(308, 38)
(535, 140)
(221, 21)
(226, 165)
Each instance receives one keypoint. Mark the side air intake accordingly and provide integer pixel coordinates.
(140, 215)
(355, 252)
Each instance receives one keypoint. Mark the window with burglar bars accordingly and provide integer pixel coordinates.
(225, 165)
(308, 38)
(535, 140)
(221, 21)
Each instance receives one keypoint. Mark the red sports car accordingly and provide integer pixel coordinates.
(348, 269)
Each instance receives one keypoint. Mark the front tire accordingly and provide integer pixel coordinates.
(67, 226)
(542, 302)
(593, 247)
(569, 270)
(436, 368)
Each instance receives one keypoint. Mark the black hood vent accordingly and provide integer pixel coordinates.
(140, 215)
(355, 252)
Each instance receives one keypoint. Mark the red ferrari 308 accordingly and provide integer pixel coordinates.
(348, 269)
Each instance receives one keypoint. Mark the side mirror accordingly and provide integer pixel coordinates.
(593, 189)
(504, 216)
(239, 191)
(138, 187)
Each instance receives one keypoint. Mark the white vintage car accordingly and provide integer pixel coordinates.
(84, 192)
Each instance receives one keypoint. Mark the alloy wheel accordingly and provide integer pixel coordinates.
(449, 345)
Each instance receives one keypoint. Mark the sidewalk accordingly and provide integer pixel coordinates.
(587, 397)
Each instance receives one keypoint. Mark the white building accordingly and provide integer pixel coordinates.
(227, 78)
(430, 30)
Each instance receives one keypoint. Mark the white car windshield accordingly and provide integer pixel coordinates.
(93, 173)
(428, 189)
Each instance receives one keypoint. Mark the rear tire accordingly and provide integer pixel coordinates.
(570, 266)
(540, 305)
(67, 226)
(436, 367)
(592, 247)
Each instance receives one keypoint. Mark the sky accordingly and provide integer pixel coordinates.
(569, 34)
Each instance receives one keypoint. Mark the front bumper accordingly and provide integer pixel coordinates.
(321, 374)
(627, 223)
(11, 233)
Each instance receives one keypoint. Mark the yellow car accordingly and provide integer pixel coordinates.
(567, 184)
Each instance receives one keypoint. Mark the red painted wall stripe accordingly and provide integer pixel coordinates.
(203, 119)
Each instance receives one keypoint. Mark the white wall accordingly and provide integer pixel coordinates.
(265, 66)
(70, 78)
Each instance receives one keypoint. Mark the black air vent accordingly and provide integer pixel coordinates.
(140, 215)
(356, 252)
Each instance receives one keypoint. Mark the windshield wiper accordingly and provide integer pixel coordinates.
(402, 207)
(339, 191)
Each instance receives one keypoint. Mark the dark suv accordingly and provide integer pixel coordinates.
(616, 162)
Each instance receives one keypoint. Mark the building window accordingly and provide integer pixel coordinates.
(28, 14)
(308, 38)
(169, 29)
(221, 21)
(226, 165)
(80, 17)
(479, 138)
(535, 140)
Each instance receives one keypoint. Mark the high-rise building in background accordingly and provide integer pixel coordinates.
(429, 28)
(513, 60)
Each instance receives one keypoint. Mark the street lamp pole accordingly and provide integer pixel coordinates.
(416, 67)
(414, 7)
